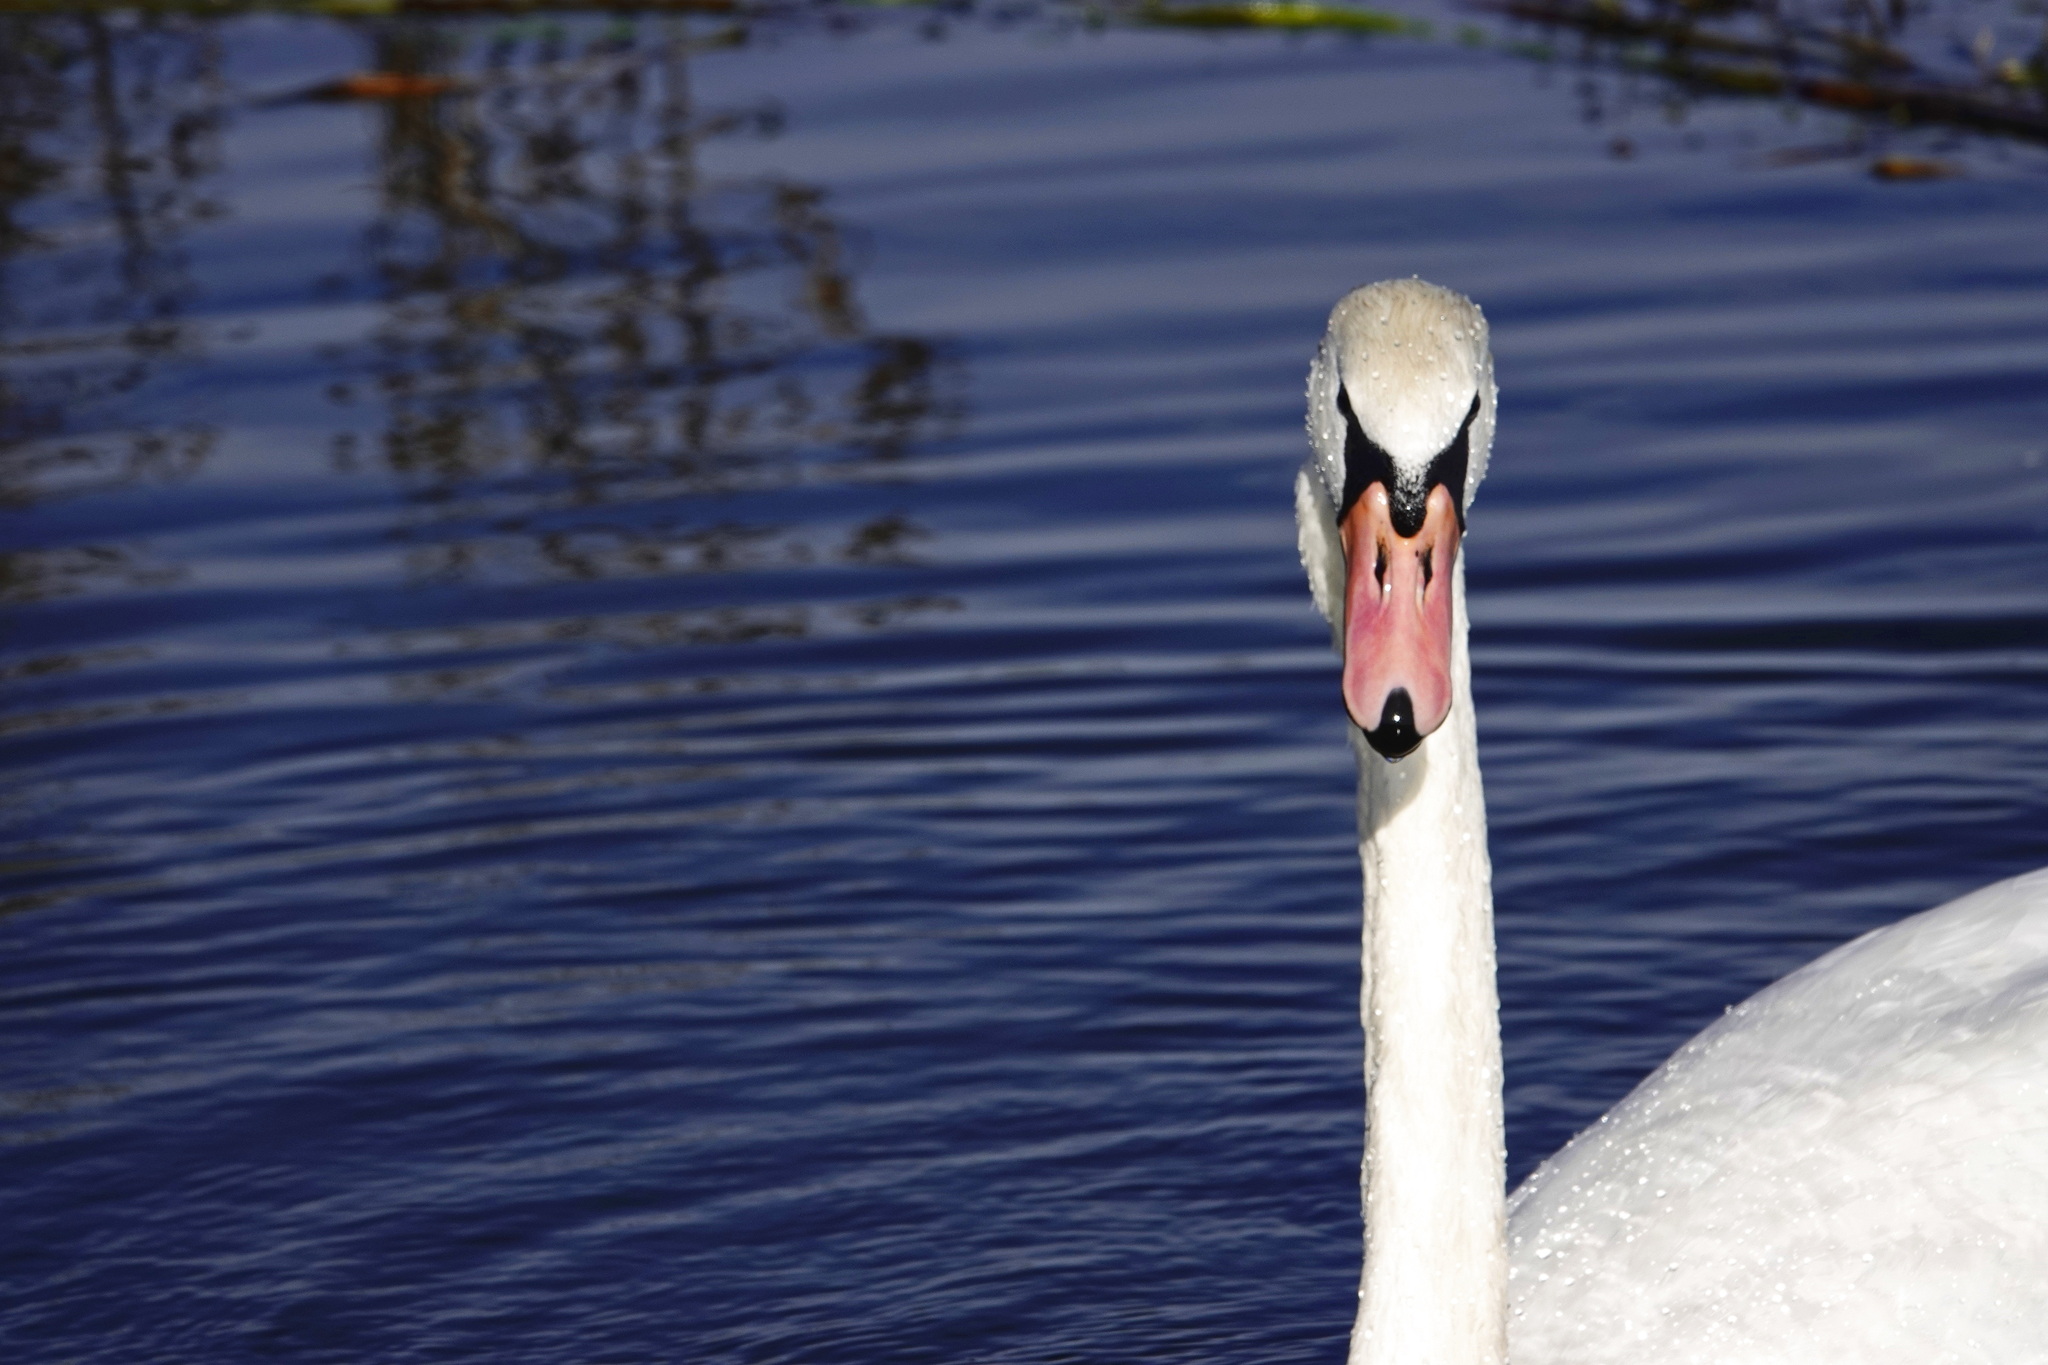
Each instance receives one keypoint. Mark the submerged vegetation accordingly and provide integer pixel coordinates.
(1879, 61)
(1281, 14)
(1898, 63)
(1965, 66)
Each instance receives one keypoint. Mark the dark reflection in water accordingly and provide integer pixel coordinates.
(570, 303)
(109, 142)
(575, 308)
(570, 798)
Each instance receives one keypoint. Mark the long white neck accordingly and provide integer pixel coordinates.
(1434, 1290)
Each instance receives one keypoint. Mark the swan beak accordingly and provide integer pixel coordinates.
(1397, 620)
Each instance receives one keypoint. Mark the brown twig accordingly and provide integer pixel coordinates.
(1689, 60)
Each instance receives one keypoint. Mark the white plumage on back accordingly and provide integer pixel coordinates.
(1851, 1166)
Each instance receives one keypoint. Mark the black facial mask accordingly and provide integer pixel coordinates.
(1365, 464)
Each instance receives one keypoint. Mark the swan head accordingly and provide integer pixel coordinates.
(1400, 416)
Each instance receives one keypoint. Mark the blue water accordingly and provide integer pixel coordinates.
(668, 714)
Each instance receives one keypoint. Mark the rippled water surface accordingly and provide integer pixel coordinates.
(657, 706)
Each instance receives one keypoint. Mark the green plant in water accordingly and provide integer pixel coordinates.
(1282, 14)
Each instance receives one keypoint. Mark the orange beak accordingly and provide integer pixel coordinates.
(1397, 620)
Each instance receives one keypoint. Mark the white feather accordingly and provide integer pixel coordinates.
(1315, 525)
(1851, 1166)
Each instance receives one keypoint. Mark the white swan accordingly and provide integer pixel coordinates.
(1850, 1167)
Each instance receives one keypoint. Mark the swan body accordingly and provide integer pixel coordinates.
(1852, 1166)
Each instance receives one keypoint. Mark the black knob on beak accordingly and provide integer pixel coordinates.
(1395, 736)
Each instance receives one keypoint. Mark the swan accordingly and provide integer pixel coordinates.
(1852, 1166)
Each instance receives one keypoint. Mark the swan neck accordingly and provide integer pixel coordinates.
(1434, 1290)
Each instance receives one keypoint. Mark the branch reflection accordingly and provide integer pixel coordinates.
(586, 334)
(109, 156)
